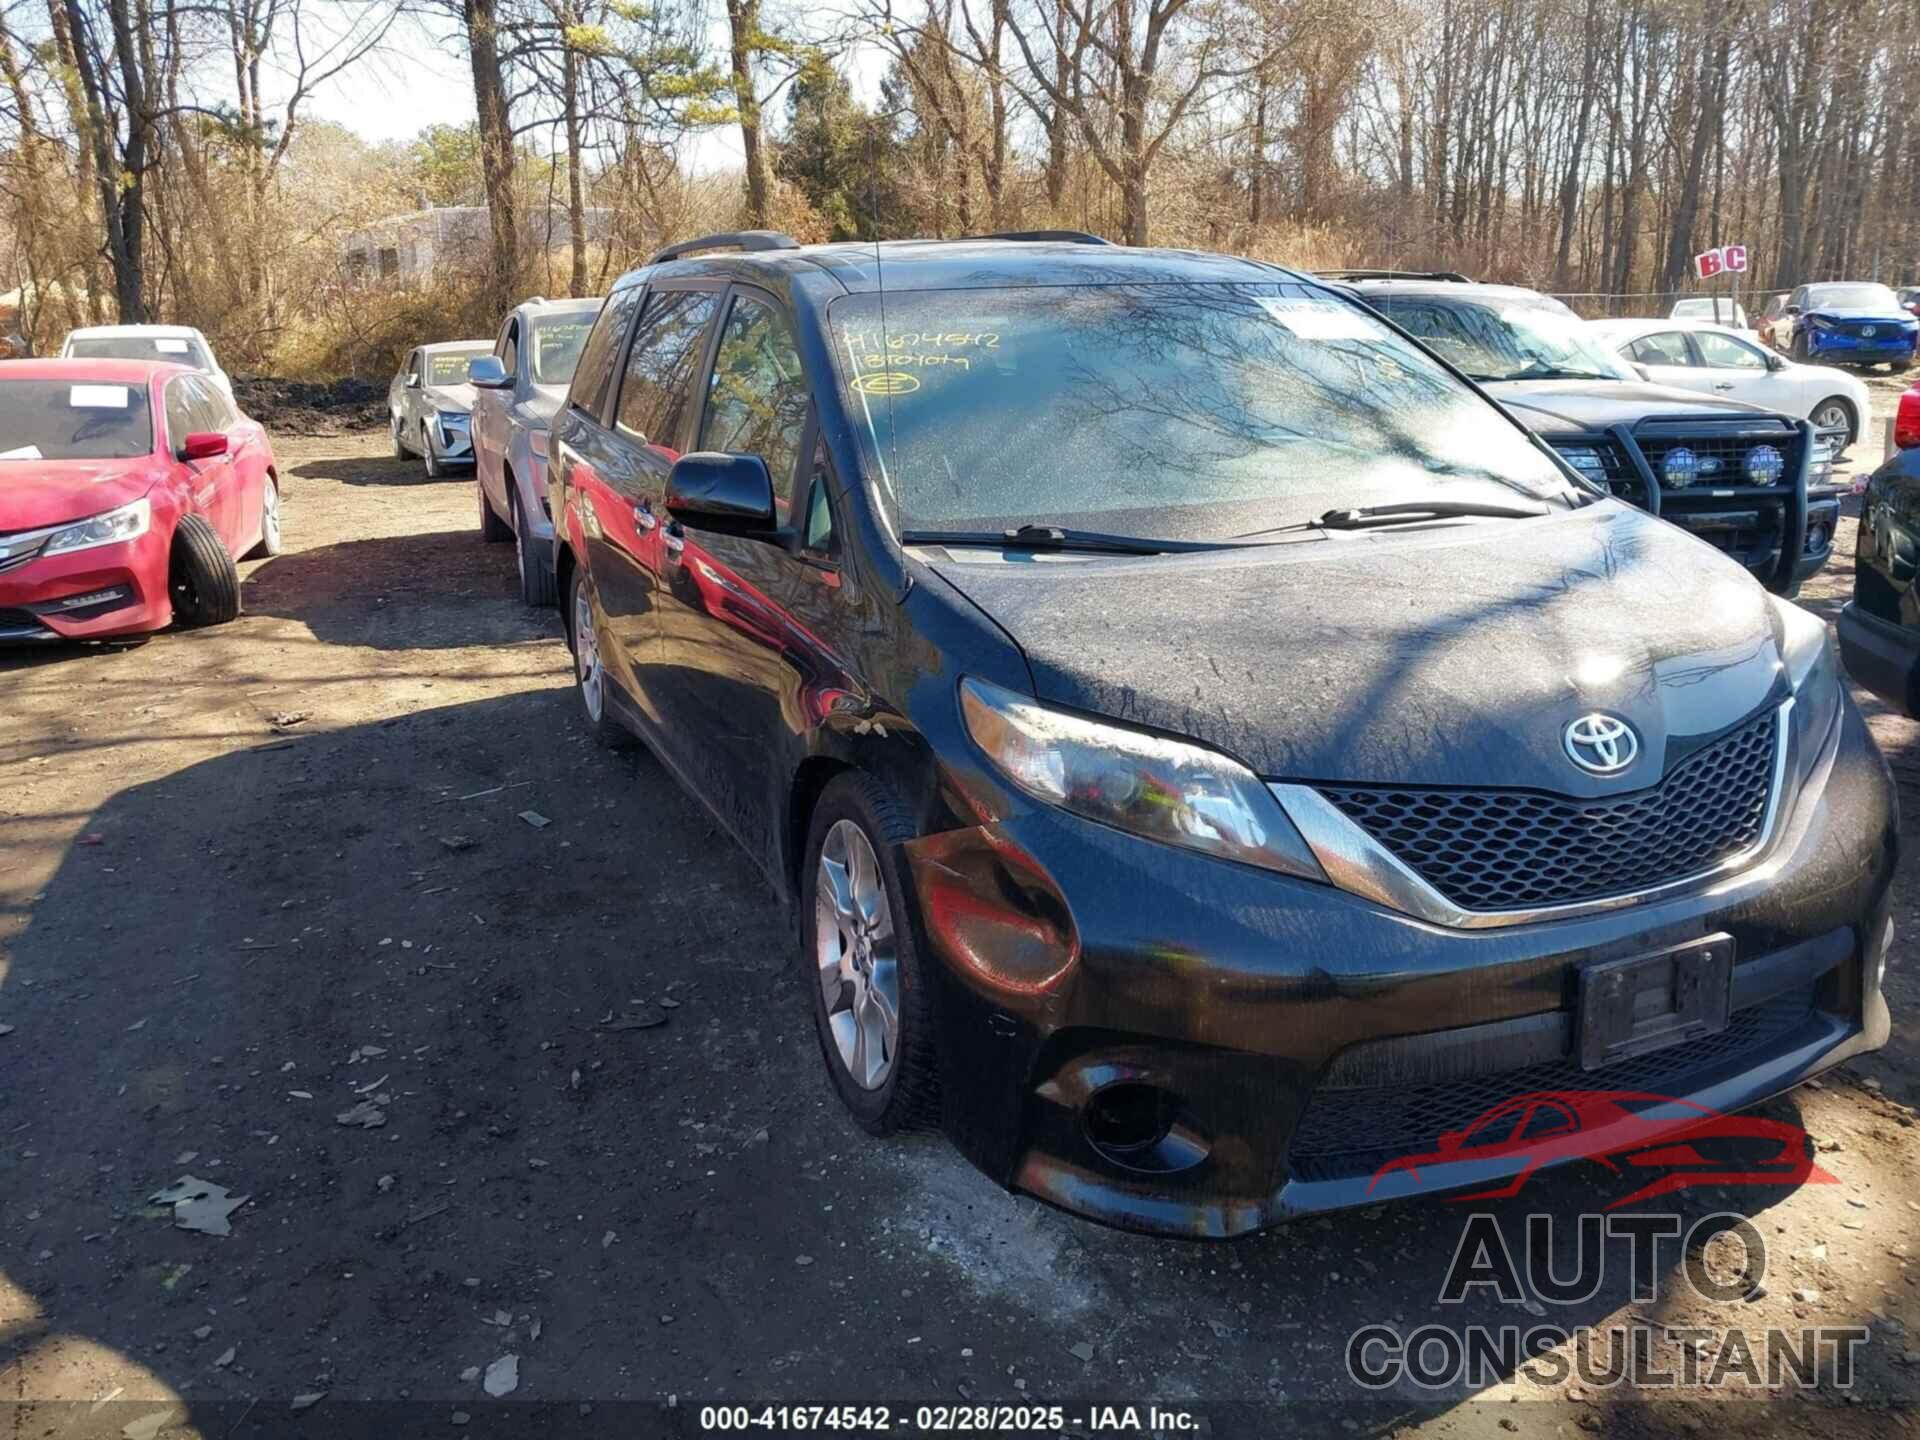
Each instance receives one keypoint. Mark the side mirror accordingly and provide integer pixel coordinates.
(718, 491)
(1776, 362)
(413, 382)
(203, 445)
(1793, 309)
(487, 373)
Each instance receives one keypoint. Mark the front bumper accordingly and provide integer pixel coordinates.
(1858, 350)
(452, 440)
(88, 595)
(1089, 981)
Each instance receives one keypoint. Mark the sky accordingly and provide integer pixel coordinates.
(424, 80)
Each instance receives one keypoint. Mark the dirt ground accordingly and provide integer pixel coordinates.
(357, 850)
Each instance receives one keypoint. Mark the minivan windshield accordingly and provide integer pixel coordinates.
(1852, 297)
(71, 420)
(1175, 410)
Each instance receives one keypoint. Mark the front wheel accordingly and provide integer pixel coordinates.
(871, 1004)
(1797, 348)
(427, 458)
(202, 576)
(1834, 413)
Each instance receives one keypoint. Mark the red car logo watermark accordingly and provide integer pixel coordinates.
(1625, 1130)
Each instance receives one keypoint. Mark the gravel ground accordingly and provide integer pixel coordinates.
(355, 854)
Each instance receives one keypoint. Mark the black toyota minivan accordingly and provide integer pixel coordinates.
(1211, 752)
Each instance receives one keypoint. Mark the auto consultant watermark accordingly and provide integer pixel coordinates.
(1564, 1264)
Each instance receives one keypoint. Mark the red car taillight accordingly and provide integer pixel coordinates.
(1906, 420)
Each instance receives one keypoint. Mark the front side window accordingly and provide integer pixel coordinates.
(509, 355)
(1194, 411)
(71, 420)
(1726, 353)
(598, 355)
(655, 391)
(757, 399)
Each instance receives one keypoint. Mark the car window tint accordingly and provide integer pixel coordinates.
(1664, 349)
(589, 389)
(201, 416)
(1546, 1120)
(757, 398)
(1725, 352)
(509, 347)
(413, 366)
(659, 375)
(179, 414)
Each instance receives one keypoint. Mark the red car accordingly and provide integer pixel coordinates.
(1695, 1145)
(127, 490)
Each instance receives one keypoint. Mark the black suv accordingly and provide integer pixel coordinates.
(1210, 751)
(1748, 482)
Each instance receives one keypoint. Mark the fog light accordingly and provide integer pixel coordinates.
(1765, 465)
(1680, 468)
(1127, 1119)
(82, 602)
(1817, 539)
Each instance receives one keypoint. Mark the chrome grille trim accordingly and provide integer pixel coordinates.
(1359, 864)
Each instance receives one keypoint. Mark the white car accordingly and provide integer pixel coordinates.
(1709, 310)
(1718, 360)
(169, 344)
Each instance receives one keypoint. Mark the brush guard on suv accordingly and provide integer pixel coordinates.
(1765, 527)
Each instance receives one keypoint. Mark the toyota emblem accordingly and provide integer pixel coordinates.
(1601, 744)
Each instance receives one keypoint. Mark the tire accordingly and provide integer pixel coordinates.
(400, 451)
(493, 529)
(855, 968)
(1823, 418)
(427, 458)
(1797, 348)
(201, 576)
(590, 681)
(270, 543)
(536, 570)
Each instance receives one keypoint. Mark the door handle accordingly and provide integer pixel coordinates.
(1723, 385)
(643, 517)
(674, 541)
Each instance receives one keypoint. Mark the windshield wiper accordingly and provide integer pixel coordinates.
(1540, 371)
(1055, 537)
(1411, 512)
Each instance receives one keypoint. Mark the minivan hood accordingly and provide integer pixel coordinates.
(1564, 407)
(38, 493)
(1452, 657)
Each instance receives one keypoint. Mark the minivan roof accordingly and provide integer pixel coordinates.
(980, 265)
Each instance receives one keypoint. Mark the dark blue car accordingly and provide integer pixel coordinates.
(1852, 323)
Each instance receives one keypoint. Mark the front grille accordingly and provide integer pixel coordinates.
(1722, 458)
(1616, 468)
(1517, 849)
(1349, 1132)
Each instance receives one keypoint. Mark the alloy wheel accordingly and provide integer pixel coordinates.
(270, 516)
(586, 655)
(855, 950)
(1832, 417)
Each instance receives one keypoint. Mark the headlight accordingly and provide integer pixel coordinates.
(129, 522)
(1819, 322)
(1813, 670)
(1586, 461)
(453, 419)
(1160, 789)
(1680, 469)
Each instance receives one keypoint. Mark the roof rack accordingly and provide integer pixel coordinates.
(1070, 237)
(748, 240)
(1451, 276)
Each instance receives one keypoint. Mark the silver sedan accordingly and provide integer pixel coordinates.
(431, 405)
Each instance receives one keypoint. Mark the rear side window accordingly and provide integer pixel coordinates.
(68, 420)
(590, 376)
(666, 348)
(1668, 348)
(757, 400)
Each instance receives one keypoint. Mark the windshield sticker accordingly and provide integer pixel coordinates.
(1319, 319)
(99, 397)
(869, 342)
(886, 382)
(25, 452)
(170, 347)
